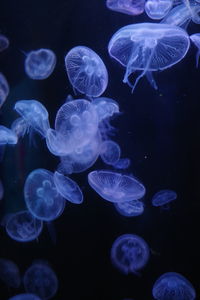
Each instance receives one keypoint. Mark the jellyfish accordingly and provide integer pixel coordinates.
(41, 280)
(86, 71)
(105, 107)
(173, 286)
(25, 296)
(39, 64)
(9, 273)
(35, 114)
(163, 197)
(4, 89)
(122, 163)
(1, 190)
(110, 152)
(7, 136)
(116, 187)
(129, 253)
(148, 47)
(4, 42)
(20, 127)
(132, 208)
(129, 7)
(23, 227)
(158, 9)
(195, 38)
(41, 196)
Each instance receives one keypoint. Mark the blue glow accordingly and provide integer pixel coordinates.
(163, 197)
(7, 136)
(158, 9)
(129, 7)
(9, 273)
(132, 208)
(25, 297)
(122, 163)
(4, 42)
(4, 89)
(1, 190)
(105, 107)
(195, 38)
(20, 127)
(110, 152)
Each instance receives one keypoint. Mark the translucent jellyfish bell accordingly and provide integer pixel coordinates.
(39, 64)
(20, 127)
(129, 253)
(116, 187)
(110, 152)
(173, 286)
(158, 9)
(163, 197)
(7, 136)
(129, 7)
(4, 42)
(86, 71)
(4, 89)
(195, 38)
(122, 163)
(132, 208)
(105, 107)
(25, 296)
(9, 273)
(148, 47)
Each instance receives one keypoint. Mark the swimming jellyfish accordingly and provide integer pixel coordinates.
(195, 38)
(110, 152)
(158, 9)
(163, 197)
(122, 163)
(20, 127)
(129, 253)
(9, 273)
(105, 107)
(86, 71)
(7, 136)
(25, 296)
(129, 7)
(148, 47)
(4, 42)
(132, 208)
(4, 89)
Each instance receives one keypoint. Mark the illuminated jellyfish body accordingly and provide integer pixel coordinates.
(122, 163)
(41, 197)
(86, 71)
(129, 253)
(35, 114)
(25, 296)
(158, 9)
(4, 89)
(116, 187)
(20, 127)
(7, 136)
(163, 197)
(132, 208)
(9, 273)
(41, 280)
(110, 152)
(1, 190)
(68, 188)
(173, 286)
(129, 7)
(195, 38)
(39, 64)
(23, 227)
(148, 47)
(4, 42)
(105, 107)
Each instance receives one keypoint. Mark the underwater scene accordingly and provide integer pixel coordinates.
(100, 149)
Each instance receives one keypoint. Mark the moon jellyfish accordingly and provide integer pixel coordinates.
(110, 152)
(129, 253)
(148, 47)
(68, 188)
(41, 280)
(9, 273)
(158, 9)
(4, 89)
(129, 7)
(122, 163)
(132, 208)
(195, 38)
(86, 71)
(163, 197)
(105, 107)
(23, 227)
(7, 136)
(1, 190)
(4, 42)
(173, 286)
(41, 196)
(39, 64)
(20, 127)
(24, 296)
(116, 187)
(35, 114)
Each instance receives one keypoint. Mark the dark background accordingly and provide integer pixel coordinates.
(158, 130)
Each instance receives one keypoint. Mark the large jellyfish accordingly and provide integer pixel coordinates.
(9, 273)
(129, 7)
(148, 47)
(4, 89)
(7, 136)
(158, 9)
(163, 197)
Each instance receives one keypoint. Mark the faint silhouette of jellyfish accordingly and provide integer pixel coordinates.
(68, 188)
(35, 114)
(41, 197)
(7, 136)
(20, 127)
(9, 273)
(105, 107)
(129, 253)
(129, 7)
(25, 296)
(173, 286)
(195, 38)
(122, 163)
(4, 89)
(132, 208)
(116, 187)
(4, 42)
(158, 9)
(39, 64)
(163, 197)
(41, 280)
(23, 227)
(148, 47)
(86, 71)
(110, 152)
(1, 190)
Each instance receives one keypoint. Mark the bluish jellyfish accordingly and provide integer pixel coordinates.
(148, 47)
(25, 296)
(4, 42)
(132, 208)
(110, 152)
(122, 163)
(105, 107)
(1, 190)
(129, 7)
(35, 114)
(195, 38)
(9, 273)
(41, 280)
(23, 227)
(86, 71)
(41, 196)
(4, 89)
(39, 64)
(173, 286)
(68, 188)
(116, 187)
(158, 9)
(7, 136)
(163, 197)
(129, 253)
(20, 127)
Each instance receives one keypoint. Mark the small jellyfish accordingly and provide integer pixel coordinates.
(129, 7)
(25, 296)
(110, 152)
(122, 163)
(23, 227)
(39, 64)
(1, 190)
(105, 107)
(132, 208)
(195, 38)
(173, 286)
(41, 280)
(129, 253)
(9, 273)
(163, 197)
(86, 71)
(116, 187)
(4, 89)
(41, 196)
(20, 127)
(4, 42)
(7, 136)
(158, 9)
